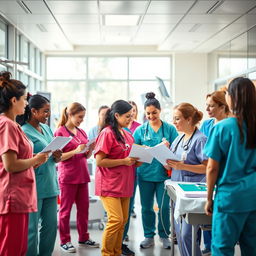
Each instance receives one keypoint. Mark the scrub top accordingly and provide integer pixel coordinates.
(207, 126)
(46, 174)
(115, 181)
(93, 133)
(145, 135)
(236, 182)
(194, 155)
(17, 189)
(75, 169)
(134, 126)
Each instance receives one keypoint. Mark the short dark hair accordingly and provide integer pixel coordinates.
(151, 101)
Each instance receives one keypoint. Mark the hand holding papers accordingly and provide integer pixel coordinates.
(87, 146)
(162, 153)
(140, 152)
(58, 142)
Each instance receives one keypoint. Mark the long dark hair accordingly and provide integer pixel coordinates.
(243, 104)
(36, 101)
(9, 88)
(121, 107)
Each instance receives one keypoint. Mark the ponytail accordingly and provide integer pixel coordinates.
(64, 118)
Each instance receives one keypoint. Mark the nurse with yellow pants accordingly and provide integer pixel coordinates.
(231, 148)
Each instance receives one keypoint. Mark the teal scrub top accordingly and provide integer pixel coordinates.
(145, 135)
(236, 182)
(207, 126)
(46, 174)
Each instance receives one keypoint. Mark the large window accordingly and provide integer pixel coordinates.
(96, 81)
(3, 48)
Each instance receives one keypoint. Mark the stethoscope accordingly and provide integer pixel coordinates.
(147, 137)
(186, 146)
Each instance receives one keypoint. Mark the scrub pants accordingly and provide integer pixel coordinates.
(13, 234)
(183, 232)
(207, 239)
(47, 213)
(71, 193)
(131, 206)
(148, 190)
(228, 228)
(117, 210)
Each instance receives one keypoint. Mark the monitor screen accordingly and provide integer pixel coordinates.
(162, 87)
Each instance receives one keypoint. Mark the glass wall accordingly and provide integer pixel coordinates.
(96, 81)
(3, 48)
(236, 58)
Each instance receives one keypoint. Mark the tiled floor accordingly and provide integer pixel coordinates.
(135, 235)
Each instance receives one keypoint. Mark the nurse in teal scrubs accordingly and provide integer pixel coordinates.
(231, 148)
(36, 115)
(151, 177)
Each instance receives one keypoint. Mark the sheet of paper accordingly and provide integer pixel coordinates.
(162, 153)
(141, 152)
(87, 146)
(58, 142)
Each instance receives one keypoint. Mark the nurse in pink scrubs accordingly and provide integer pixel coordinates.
(115, 175)
(17, 178)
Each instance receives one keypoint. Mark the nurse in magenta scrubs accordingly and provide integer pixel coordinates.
(115, 174)
(17, 177)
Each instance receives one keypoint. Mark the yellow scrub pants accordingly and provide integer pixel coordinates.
(117, 211)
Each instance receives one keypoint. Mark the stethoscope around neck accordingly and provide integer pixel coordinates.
(146, 136)
(186, 146)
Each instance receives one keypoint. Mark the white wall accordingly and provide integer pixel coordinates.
(190, 79)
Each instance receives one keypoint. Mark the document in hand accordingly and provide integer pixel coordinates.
(58, 142)
(87, 146)
(162, 153)
(141, 153)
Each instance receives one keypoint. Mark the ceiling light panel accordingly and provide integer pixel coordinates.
(172, 7)
(123, 7)
(73, 7)
(121, 20)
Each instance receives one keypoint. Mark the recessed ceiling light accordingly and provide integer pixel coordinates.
(121, 20)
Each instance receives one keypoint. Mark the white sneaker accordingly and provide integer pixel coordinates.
(147, 242)
(166, 242)
(68, 247)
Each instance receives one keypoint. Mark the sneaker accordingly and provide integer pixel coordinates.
(147, 242)
(68, 247)
(133, 214)
(206, 252)
(126, 238)
(89, 244)
(127, 251)
(166, 243)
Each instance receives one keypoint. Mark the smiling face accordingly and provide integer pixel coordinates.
(77, 118)
(213, 109)
(181, 124)
(124, 119)
(42, 114)
(152, 114)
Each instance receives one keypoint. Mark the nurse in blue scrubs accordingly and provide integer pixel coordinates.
(151, 177)
(231, 148)
(189, 147)
(36, 115)
(217, 109)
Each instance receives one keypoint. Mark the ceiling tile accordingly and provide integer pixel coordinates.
(123, 7)
(164, 19)
(201, 7)
(235, 7)
(173, 7)
(77, 19)
(210, 18)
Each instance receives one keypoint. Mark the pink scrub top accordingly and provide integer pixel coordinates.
(115, 181)
(75, 169)
(134, 126)
(17, 189)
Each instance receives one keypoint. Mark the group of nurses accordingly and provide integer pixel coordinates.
(231, 148)
(17, 177)
(217, 109)
(115, 174)
(151, 177)
(35, 127)
(192, 167)
(74, 177)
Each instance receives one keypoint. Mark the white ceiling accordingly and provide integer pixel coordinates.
(176, 26)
